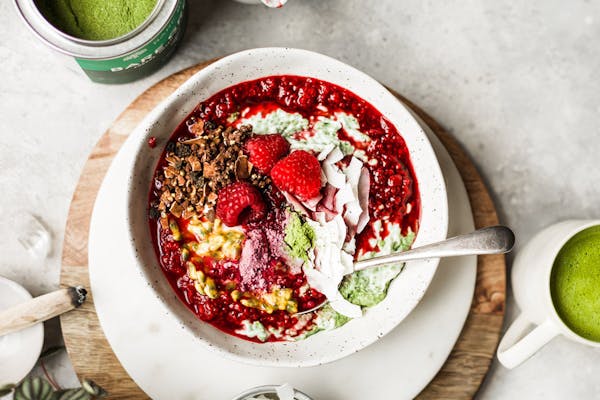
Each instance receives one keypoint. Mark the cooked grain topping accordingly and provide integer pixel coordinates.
(198, 167)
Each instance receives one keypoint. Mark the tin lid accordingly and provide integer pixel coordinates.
(91, 49)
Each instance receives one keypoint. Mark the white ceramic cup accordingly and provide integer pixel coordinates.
(531, 287)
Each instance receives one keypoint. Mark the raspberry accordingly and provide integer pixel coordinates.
(240, 203)
(266, 150)
(299, 174)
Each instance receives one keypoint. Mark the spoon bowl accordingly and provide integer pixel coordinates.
(497, 239)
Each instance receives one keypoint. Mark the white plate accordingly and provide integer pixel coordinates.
(19, 351)
(167, 362)
(404, 292)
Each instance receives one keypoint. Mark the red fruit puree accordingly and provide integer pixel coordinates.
(262, 266)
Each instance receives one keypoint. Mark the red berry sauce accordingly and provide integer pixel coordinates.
(393, 188)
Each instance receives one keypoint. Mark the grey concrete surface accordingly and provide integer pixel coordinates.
(517, 83)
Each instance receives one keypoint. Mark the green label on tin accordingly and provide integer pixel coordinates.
(164, 40)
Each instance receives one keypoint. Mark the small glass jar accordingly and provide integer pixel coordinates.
(268, 3)
(123, 59)
(269, 391)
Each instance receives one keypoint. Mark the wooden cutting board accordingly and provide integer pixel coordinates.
(91, 354)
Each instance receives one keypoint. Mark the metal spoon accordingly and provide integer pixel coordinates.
(491, 240)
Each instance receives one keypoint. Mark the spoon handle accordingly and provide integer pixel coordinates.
(491, 240)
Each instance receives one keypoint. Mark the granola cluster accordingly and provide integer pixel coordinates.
(198, 167)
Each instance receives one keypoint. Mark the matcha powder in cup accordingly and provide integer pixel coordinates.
(96, 19)
(113, 41)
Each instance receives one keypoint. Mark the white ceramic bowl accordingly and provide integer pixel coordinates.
(405, 291)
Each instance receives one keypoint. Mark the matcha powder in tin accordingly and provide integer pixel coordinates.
(96, 19)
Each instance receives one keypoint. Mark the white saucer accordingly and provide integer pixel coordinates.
(19, 351)
(167, 363)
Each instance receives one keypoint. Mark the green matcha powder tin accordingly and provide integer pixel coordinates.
(126, 58)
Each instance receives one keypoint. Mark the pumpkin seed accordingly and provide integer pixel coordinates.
(253, 303)
(210, 288)
(191, 270)
(199, 288)
(200, 276)
(174, 229)
(185, 254)
(292, 307)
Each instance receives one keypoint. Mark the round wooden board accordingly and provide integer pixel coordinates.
(92, 355)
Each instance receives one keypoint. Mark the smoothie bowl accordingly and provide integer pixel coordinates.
(257, 185)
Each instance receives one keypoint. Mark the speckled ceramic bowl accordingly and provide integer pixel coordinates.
(405, 291)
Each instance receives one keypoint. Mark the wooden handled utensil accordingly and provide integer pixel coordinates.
(41, 308)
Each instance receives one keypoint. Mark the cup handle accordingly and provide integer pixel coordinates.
(517, 345)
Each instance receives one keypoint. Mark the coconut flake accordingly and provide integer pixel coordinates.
(333, 175)
(341, 230)
(325, 152)
(364, 184)
(329, 196)
(311, 204)
(334, 156)
(343, 197)
(350, 197)
(331, 263)
(350, 246)
(352, 213)
(323, 178)
(353, 171)
(347, 261)
(327, 213)
(297, 204)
